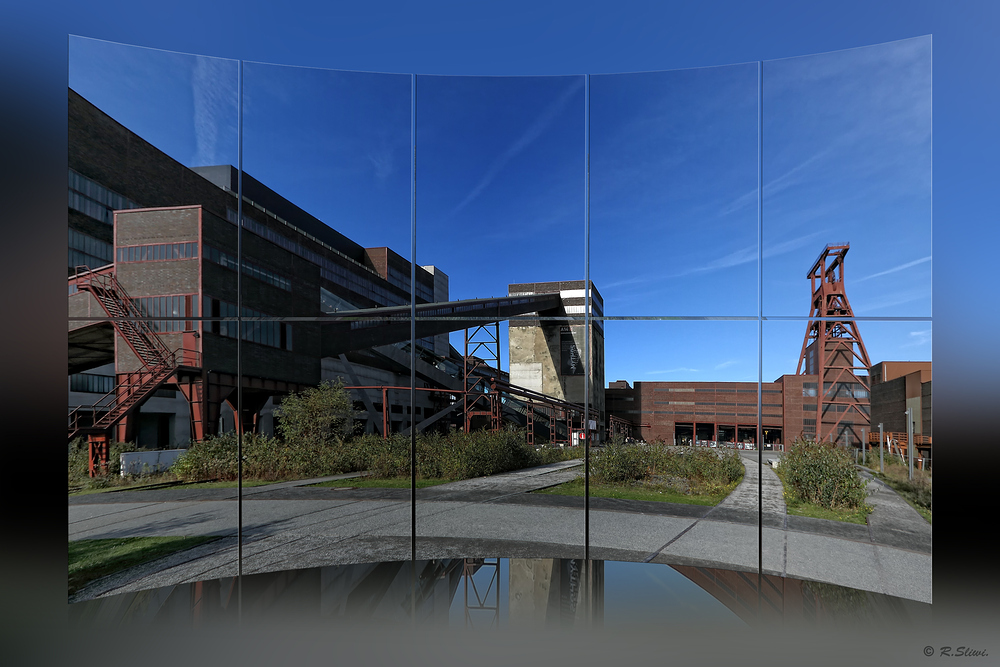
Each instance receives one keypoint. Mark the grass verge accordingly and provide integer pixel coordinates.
(388, 483)
(90, 560)
(801, 508)
(637, 492)
(172, 483)
(917, 492)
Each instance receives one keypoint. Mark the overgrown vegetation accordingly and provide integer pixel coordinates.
(691, 471)
(656, 471)
(823, 475)
(453, 456)
(79, 468)
(918, 491)
(317, 416)
(315, 439)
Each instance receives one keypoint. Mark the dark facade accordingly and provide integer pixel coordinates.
(896, 386)
(172, 235)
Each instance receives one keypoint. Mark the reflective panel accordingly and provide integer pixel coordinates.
(519, 597)
(677, 481)
(845, 495)
(325, 293)
(141, 124)
(673, 191)
(500, 185)
(847, 163)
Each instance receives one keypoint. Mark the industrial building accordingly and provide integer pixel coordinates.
(155, 245)
(856, 396)
(161, 243)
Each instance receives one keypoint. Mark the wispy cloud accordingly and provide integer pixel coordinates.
(894, 269)
(726, 364)
(748, 255)
(534, 131)
(382, 161)
(213, 89)
(918, 338)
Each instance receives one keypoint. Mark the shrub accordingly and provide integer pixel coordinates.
(823, 474)
(316, 416)
(79, 464)
(706, 470)
(456, 455)
(618, 463)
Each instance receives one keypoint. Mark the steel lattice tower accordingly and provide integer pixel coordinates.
(834, 352)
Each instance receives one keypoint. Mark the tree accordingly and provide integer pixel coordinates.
(316, 416)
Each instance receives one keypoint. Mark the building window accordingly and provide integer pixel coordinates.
(94, 200)
(254, 326)
(183, 307)
(91, 384)
(157, 252)
(249, 269)
(87, 251)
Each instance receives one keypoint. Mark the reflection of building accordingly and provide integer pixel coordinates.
(727, 411)
(679, 412)
(896, 387)
(162, 244)
(844, 409)
(169, 234)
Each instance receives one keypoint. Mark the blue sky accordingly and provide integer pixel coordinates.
(673, 177)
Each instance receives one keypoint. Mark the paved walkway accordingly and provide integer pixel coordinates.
(292, 525)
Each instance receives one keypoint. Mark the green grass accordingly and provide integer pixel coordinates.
(90, 560)
(635, 492)
(389, 483)
(173, 483)
(800, 508)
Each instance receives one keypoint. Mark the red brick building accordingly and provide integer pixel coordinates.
(682, 412)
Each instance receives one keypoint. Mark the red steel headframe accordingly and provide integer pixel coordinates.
(834, 352)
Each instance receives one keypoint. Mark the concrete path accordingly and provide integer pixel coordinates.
(292, 525)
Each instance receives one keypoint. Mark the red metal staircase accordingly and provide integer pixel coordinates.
(132, 389)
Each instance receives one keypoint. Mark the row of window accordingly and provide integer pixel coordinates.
(179, 306)
(94, 200)
(77, 258)
(88, 245)
(92, 384)
(249, 269)
(402, 281)
(328, 269)
(157, 252)
(262, 331)
(716, 391)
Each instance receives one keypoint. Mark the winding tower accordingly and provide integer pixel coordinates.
(834, 352)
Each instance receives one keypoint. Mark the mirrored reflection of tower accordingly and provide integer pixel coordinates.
(555, 592)
(834, 352)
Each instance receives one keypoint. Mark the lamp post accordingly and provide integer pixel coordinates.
(909, 438)
(864, 445)
(881, 440)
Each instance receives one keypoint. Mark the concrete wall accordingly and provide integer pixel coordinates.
(141, 463)
(546, 355)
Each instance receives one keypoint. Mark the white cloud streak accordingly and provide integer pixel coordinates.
(529, 136)
(894, 269)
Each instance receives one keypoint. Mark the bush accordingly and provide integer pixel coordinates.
(705, 470)
(79, 464)
(455, 456)
(823, 474)
(316, 416)
(264, 458)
